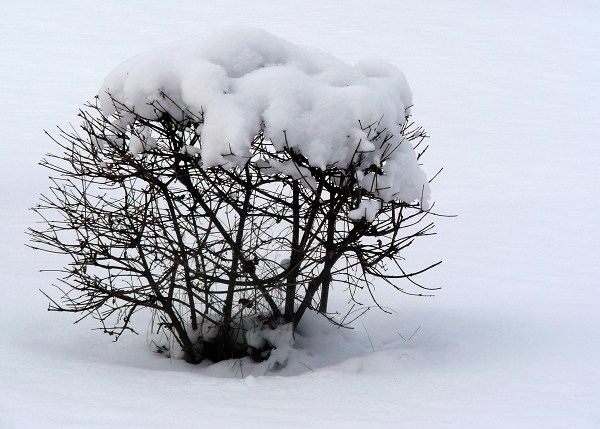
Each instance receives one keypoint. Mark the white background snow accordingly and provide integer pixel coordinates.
(509, 92)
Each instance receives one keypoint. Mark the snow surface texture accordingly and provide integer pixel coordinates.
(241, 79)
(509, 92)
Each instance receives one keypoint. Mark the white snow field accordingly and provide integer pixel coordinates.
(509, 92)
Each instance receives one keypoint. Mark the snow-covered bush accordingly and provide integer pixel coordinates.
(226, 182)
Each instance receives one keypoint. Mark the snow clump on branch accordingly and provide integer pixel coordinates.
(240, 81)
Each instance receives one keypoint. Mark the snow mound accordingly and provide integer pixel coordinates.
(242, 80)
(316, 344)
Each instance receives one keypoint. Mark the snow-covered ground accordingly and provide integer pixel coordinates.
(509, 92)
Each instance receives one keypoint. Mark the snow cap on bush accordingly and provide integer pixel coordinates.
(242, 79)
